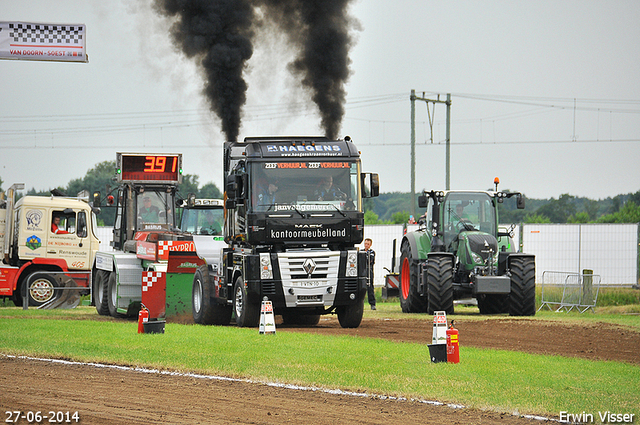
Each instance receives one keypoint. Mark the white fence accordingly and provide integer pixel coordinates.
(610, 250)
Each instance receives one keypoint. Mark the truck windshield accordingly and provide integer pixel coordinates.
(202, 221)
(468, 211)
(154, 207)
(305, 186)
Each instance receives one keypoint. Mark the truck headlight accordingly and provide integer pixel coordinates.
(266, 271)
(352, 264)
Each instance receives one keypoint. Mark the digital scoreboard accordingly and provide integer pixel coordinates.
(145, 168)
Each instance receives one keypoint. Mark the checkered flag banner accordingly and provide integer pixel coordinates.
(43, 42)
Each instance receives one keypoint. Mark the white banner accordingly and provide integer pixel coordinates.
(44, 42)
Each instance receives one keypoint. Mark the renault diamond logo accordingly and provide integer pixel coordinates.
(309, 266)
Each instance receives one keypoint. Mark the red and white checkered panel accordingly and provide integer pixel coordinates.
(149, 278)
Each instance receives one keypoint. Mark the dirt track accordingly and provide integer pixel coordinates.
(111, 396)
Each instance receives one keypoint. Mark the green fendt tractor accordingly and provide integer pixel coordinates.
(458, 252)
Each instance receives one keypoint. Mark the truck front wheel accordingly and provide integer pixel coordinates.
(41, 288)
(350, 316)
(112, 296)
(247, 314)
(100, 292)
(205, 310)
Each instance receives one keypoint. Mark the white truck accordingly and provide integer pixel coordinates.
(49, 245)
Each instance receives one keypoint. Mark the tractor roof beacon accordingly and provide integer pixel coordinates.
(459, 252)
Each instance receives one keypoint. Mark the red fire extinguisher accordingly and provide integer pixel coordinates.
(453, 348)
(143, 317)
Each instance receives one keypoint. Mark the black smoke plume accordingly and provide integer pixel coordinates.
(220, 31)
(217, 33)
(319, 29)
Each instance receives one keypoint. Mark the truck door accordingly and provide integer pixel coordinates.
(67, 238)
(32, 224)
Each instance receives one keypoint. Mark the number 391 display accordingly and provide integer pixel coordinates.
(52, 417)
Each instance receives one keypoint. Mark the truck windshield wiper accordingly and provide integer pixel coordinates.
(339, 210)
(298, 211)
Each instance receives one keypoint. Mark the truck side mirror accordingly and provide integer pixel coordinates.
(375, 185)
(233, 186)
(81, 232)
(423, 201)
(370, 185)
(520, 202)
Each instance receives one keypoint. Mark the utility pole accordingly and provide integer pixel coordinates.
(413, 142)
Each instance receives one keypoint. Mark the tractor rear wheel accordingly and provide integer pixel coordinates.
(440, 284)
(207, 311)
(522, 300)
(410, 299)
(247, 314)
(101, 293)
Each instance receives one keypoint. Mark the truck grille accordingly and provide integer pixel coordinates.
(309, 277)
(321, 265)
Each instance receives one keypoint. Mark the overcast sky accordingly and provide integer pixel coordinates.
(545, 95)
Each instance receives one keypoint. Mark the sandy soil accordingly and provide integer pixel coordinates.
(112, 396)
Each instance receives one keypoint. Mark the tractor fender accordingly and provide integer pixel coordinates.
(419, 243)
(504, 260)
(520, 254)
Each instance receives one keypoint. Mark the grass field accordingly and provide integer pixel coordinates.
(489, 379)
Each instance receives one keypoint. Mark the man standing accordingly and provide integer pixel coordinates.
(371, 260)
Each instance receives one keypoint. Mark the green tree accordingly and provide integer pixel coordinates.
(629, 213)
(581, 217)
(371, 218)
(210, 191)
(100, 178)
(591, 207)
(558, 210)
(189, 185)
(536, 218)
(400, 217)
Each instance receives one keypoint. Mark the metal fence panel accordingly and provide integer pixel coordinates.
(566, 291)
(610, 250)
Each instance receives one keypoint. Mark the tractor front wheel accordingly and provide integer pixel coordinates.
(522, 300)
(440, 284)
